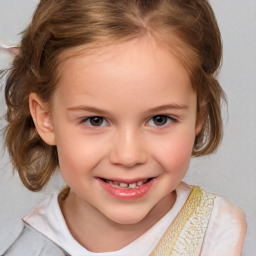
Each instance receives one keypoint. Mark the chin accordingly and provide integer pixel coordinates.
(127, 218)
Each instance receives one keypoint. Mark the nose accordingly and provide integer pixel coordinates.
(128, 149)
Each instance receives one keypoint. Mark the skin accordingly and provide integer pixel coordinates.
(127, 85)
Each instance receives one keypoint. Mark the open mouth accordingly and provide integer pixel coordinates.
(124, 185)
(127, 189)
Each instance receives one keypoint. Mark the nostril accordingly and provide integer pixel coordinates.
(128, 149)
(128, 159)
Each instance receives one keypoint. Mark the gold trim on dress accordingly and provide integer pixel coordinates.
(184, 237)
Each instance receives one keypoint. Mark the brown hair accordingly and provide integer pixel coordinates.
(59, 25)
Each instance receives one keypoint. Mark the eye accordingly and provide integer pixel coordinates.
(97, 121)
(160, 120)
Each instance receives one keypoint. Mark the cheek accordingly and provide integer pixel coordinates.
(175, 153)
(76, 154)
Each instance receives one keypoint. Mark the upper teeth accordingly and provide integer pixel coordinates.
(126, 185)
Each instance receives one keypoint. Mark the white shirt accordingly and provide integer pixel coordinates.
(224, 235)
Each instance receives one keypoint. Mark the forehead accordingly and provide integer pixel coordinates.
(123, 73)
(141, 55)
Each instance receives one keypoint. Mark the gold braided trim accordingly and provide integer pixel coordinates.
(185, 235)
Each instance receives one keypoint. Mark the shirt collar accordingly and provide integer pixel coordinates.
(47, 219)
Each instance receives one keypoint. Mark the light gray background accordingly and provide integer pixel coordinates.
(232, 170)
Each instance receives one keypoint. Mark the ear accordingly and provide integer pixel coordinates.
(199, 125)
(200, 116)
(200, 119)
(42, 119)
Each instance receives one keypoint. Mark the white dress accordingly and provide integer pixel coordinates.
(199, 223)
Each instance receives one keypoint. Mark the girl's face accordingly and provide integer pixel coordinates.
(124, 122)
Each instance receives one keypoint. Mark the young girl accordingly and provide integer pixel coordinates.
(119, 95)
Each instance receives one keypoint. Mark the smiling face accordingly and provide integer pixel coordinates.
(124, 122)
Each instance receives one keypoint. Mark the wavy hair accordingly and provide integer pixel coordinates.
(187, 27)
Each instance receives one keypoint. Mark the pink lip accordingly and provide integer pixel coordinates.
(127, 194)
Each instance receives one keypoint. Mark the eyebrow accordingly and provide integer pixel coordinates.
(169, 107)
(88, 109)
(155, 109)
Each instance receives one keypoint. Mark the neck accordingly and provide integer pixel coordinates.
(89, 226)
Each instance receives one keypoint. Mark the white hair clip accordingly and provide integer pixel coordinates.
(13, 50)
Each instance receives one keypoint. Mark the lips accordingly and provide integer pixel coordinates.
(127, 190)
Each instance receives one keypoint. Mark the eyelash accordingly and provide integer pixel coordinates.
(169, 119)
(95, 117)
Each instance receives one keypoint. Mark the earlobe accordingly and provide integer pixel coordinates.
(42, 119)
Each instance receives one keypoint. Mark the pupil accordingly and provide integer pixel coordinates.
(96, 121)
(160, 120)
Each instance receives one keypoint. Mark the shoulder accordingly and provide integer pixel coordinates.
(17, 239)
(226, 229)
(10, 230)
